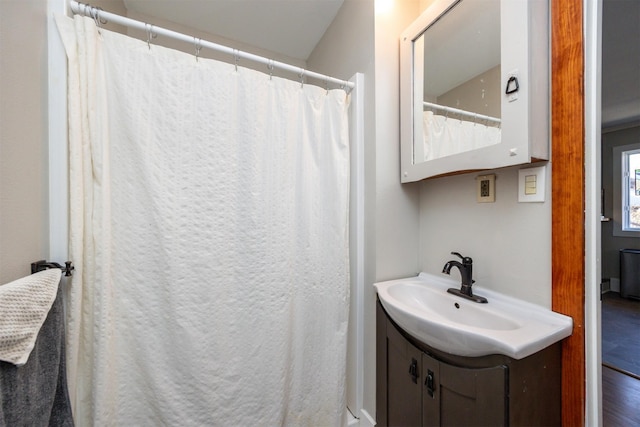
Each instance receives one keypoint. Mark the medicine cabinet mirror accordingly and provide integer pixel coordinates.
(469, 74)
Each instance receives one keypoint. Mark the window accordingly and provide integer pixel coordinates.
(631, 190)
(626, 172)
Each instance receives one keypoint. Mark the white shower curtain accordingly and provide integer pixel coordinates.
(443, 136)
(209, 231)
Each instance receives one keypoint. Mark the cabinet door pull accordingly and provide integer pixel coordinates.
(413, 370)
(429, 382)
(512, 85)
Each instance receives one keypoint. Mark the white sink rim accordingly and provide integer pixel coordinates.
(531, 327)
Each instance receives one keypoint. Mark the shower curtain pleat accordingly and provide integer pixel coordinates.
(209, 228)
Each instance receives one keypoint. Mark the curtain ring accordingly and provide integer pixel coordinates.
(94, 13)
(99, 20)
(302, 77)
(270, 67)
(236, 57)
(150, 34)
(198, 43)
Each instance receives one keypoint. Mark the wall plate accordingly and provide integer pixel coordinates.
(531, 184)
(486, 188)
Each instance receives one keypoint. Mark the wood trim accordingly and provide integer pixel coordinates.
(568, 197)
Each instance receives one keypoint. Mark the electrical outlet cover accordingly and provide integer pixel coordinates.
(486, 188)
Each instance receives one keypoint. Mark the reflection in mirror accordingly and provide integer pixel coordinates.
(456, 85)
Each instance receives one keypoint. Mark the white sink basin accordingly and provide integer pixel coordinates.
(504, 325)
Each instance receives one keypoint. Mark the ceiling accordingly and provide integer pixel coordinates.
(289, 27)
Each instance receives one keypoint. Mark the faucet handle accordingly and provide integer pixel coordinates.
(465, 259)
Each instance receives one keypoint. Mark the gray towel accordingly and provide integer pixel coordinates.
(36, 394)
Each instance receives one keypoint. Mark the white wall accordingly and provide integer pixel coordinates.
(397, 205)
(414, 227)
(510, 242)
(23, 136)
(363, 38)
(345, 49)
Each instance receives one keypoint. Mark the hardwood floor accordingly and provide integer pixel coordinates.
(621, 333)
(620, 354)
(620, 399)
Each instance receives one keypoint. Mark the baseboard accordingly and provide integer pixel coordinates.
(366, 420)
(622, 371)
(352, 421)
(615, 284)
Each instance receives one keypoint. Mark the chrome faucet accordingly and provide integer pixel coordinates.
(466, 273)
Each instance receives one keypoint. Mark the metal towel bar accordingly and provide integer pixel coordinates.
(45, 265)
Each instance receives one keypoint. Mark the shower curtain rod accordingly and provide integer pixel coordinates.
(462, 112)
(98, 14)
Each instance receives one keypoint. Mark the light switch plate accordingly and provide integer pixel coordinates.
(531, 184)
(486, 188)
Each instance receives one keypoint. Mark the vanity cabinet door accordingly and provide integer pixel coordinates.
(404, 373)
(470, 397)
(419, 385)
(423, 391)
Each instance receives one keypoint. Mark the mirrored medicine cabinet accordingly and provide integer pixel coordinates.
(474, 87)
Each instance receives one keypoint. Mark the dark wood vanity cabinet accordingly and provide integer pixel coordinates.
(421, 386)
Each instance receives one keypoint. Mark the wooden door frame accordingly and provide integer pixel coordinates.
(568, 196)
